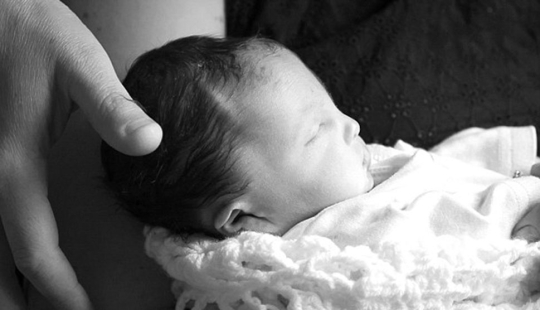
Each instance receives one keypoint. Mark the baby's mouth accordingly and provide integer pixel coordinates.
(366, 161)
(366, 158)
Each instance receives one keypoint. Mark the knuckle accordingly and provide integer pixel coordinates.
(35, 263)
(28, 262)
(112, 103)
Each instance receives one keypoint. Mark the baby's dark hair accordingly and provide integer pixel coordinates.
(182, 86)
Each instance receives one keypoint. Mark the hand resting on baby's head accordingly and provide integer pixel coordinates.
(528, 227)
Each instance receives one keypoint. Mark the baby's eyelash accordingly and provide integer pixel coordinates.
(316, 134)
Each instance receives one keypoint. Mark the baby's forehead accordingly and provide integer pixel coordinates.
(259, 71)
(260, 65)
(279, 73)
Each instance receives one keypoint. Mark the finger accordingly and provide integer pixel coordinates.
(95, 88)
(11, 296)
(527, 227)
(117, 119)
(535, 170)
(33, 237)
(528, 233)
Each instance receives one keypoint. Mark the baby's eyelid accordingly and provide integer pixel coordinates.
(316, 134)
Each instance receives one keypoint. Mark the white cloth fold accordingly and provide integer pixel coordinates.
(421, 193)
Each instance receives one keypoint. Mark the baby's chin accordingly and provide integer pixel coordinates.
(370, 183)
(365, 181)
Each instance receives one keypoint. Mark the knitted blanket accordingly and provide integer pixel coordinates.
(262, 271)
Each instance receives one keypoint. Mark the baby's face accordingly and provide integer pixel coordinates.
(301, 153)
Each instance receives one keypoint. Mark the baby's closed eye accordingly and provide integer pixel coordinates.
(316, 133)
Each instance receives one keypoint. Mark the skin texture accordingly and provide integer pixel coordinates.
(50, 64)
(300, 153)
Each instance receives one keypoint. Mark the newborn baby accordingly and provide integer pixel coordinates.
(253, 141)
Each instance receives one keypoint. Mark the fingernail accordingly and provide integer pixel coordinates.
(144, 135)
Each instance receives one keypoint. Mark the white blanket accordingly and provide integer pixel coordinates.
(261, 271)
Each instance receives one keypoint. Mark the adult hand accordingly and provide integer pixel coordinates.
(48, 61)
(528, 227)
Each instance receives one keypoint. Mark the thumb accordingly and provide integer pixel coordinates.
(121, 122)
(96, 89)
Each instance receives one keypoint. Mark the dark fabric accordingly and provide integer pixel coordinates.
(416, 70)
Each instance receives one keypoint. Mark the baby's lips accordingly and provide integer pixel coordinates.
(366, 160)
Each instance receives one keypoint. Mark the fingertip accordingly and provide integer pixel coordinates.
(124, 126)
(142, 137)
(535, 170)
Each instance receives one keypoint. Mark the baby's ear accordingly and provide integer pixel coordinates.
(233, 218)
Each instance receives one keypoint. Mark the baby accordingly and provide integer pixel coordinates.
(252, 141)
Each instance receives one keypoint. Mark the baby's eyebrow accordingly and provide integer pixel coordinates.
(313, 106)
(309, 108)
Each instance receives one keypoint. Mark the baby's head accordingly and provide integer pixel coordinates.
(251, 140)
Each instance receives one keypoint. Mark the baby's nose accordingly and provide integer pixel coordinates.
(352, 129)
